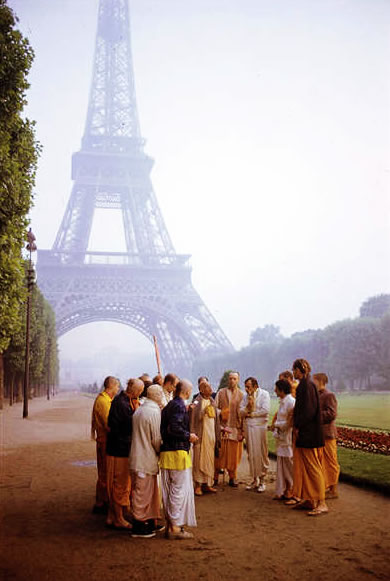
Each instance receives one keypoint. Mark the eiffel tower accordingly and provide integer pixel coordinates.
(148, 287)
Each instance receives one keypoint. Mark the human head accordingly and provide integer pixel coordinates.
(286, 375)
(251, 385)
(134, 387)
(301, 368)
(205, 389)
(170, 382)
(282, 388)
(233, 379)
(320, 380)
(146, 379)
(202, 378)
(183, 389)
(155, 393)
(111, 385)
(158, 379)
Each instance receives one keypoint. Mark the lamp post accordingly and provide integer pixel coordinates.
(31, 247)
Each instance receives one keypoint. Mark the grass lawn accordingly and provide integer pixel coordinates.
(363, 410)
(366, 410)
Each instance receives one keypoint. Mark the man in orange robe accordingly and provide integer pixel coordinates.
(228, 400)
(100, 411)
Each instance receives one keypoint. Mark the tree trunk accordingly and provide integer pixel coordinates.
(11, 388)
(1, 381)
(19, 383)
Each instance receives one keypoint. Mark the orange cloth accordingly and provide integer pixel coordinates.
(309, 482)
(229, 456)
(101, 484)
(100, 411)
(329, 462)
(118, 480)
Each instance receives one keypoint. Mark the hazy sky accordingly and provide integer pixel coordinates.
(269, 124)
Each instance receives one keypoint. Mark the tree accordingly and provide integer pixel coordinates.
(376, 306)
(18, 161)
(265, 335)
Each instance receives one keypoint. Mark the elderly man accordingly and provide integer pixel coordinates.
(100, 411)
(228, 400)
(204, 422)
(175, 464)
(143, 463)
(118, 449)
(169, 385)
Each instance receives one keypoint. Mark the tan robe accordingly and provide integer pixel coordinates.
(207, 430)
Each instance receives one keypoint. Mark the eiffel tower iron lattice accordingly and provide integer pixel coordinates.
(148, 287)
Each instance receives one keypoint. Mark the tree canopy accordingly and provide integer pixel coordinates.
(354, 353)
(18, 161)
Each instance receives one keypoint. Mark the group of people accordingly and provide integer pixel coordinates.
(306, 437)
(155, 446)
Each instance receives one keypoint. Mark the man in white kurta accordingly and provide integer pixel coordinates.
(254, 409)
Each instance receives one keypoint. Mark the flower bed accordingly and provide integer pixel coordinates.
(366, 440)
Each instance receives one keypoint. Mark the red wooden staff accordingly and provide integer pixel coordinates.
(157, 352)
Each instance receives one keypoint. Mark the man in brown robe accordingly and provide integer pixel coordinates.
(228, 400)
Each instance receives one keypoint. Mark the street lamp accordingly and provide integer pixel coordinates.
(31, 247)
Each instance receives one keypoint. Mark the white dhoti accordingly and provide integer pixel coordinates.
(284, 475)
(178, 496)
(257, 447)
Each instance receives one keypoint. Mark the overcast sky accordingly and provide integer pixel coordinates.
(269, 124)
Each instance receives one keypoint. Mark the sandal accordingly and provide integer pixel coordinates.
(316, 512)
(292, 502)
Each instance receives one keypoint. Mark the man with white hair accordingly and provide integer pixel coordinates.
(175, 464)
(143, 463)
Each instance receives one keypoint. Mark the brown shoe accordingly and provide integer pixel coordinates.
(210, 489)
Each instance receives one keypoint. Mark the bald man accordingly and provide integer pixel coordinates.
(100, 411)
(176, 465)
(228, 400)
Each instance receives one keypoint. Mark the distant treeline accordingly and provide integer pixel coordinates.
(354, 353)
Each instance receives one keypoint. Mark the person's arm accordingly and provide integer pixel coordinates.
(155, 435)
(177, 424)
(329, 409)
(93, 424)
(243, 411)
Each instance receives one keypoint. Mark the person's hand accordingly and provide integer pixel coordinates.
(193, 438)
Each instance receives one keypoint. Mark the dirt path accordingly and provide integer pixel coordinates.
(47, 479)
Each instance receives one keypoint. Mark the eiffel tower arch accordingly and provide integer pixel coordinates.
(149, 286)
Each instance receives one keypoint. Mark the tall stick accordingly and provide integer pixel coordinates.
(157, 352)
